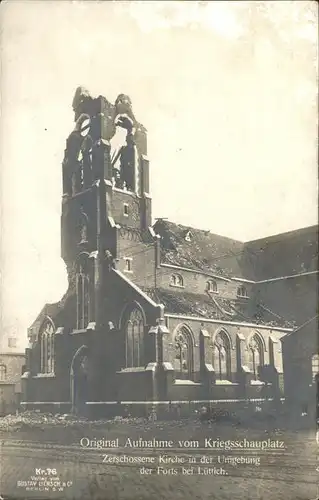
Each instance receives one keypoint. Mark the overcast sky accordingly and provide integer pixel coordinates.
(227, 91)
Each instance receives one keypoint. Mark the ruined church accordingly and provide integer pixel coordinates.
(157, 314)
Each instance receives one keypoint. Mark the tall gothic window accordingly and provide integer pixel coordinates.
(256, 355)
(222, 356)
(3, 372)
(46, 339)
(183, 354)
(135, 339)
(82, 291)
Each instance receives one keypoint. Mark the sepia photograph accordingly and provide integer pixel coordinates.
(159, 250)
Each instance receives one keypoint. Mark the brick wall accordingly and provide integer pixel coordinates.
(195, 282)
(143, 259)
(126, 208)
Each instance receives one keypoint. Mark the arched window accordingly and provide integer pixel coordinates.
(211, 286)
(256, 355)
(183, 362)
(46, 339)
(242, 291)
(315, 366)
(134, 341)
(83, 291)
(173, 280)
(176, 280)
(222, 356)
(3, 372)
(124, 155)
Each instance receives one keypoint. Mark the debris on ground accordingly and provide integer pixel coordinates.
(36, 420)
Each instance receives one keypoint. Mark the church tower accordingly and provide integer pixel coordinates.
(106, 206)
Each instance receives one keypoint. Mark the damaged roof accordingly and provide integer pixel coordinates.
(208, 306)
(285, 254)
(199, 249)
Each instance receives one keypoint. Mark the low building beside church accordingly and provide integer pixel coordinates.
(11, 369)
(301, 368)
(156, 313)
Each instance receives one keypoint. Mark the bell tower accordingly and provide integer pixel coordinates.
(107, 145)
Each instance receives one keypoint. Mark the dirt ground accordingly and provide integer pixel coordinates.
(31, 448)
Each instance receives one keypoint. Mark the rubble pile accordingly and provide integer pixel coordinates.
(36, 420)
(33, 419)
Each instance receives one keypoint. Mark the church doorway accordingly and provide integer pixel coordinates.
(79, 381)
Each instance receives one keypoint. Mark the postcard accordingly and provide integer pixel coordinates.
(159, 253)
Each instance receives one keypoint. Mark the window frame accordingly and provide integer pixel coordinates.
(183, 344)
(177, 281)
(242, 292)
(211, 286)
(314, 365)
(217, 345)
(256, 344)
(135, 339)
(46, 339)
(128, 268)
(188, 236)
(14, 344)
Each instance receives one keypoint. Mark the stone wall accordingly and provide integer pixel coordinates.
(13, 363)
